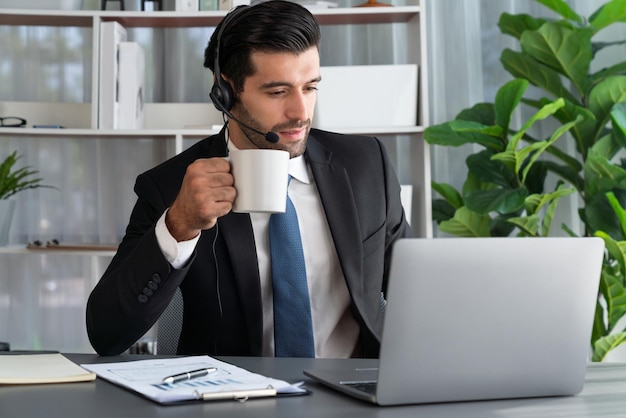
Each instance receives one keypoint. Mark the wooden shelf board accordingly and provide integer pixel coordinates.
(170, 19)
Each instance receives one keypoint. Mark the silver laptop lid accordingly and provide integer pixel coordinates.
(488, 318)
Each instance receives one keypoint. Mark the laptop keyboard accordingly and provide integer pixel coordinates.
(367, 387)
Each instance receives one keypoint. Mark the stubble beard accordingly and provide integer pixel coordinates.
(295, 149)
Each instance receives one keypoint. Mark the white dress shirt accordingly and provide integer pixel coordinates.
(335, 329)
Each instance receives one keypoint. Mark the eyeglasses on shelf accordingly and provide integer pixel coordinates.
(12, 122)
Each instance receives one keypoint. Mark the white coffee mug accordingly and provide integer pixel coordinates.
(261, 179)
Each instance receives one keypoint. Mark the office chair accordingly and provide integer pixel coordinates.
(169, 325)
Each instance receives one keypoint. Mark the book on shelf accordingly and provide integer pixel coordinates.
(111, 35)
(29, 369)
(131, 86)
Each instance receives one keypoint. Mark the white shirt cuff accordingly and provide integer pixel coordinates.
(176, 253)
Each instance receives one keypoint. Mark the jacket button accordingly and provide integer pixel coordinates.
(152, 285)
(147, 292)
(142, 298)
(156, 278)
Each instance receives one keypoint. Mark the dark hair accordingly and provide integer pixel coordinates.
(270, 26)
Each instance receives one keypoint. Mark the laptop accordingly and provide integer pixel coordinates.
(481, 318)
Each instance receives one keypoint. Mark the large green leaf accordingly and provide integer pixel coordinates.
(603, 97)
(618, 209)
(497, 200)
(562, 8)
(548, 216)
(488, 170)
(618, 120)
(601, 175)
(522, 65)
(615, 300)
(467, 224)
(611, 12)
(470, 127)
(449, 193)
(599, 216)
(547, 110)
(528, 224)
(515, 25)
(484, 113)
(564, 50)
(500, 225)
(616, 249)
(599, 327)
(583, 132)
(442, 210)
(507, 98)
(536, 178)
(535, 150)
(535, 202)
(566, 173)
(604, 345)
(606, 147)
(443, 134)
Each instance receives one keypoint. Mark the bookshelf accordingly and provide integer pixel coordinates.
(172, 126)
(170, 121)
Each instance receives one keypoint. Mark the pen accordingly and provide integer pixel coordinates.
(189, 375)
(237, 395)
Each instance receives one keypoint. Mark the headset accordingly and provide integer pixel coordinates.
(221, 93)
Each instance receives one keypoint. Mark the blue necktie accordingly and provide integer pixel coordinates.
(293, 329)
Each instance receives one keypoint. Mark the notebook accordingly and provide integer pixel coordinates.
(481, 318)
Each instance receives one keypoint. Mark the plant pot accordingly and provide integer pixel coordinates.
(7, 206)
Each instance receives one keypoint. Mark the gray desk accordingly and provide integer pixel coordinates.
(604, 395)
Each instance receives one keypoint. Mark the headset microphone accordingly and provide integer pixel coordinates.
(269, 136)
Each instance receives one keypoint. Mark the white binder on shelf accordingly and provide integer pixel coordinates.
(111, 35)
(131, 86)
(187, 5)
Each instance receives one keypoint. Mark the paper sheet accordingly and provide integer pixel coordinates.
(146, 376)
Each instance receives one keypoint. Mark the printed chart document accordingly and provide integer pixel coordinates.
(225, 381)
(28, 369)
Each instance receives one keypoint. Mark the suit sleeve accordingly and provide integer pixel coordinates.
(138, 284)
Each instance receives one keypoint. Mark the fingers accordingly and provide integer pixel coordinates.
(206, 193)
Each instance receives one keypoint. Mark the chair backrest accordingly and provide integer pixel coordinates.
(169, 325)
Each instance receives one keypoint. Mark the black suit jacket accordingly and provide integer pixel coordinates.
(220, 284)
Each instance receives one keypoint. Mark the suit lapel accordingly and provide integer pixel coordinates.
(334, 187)
(236, 230)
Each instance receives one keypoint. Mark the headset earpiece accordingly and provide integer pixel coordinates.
(222, 94)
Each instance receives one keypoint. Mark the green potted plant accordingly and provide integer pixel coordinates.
(13, 180)
(504, 193)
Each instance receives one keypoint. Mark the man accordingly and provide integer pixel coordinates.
(182, 232)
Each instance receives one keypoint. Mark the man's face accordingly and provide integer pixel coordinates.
(280, 97)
